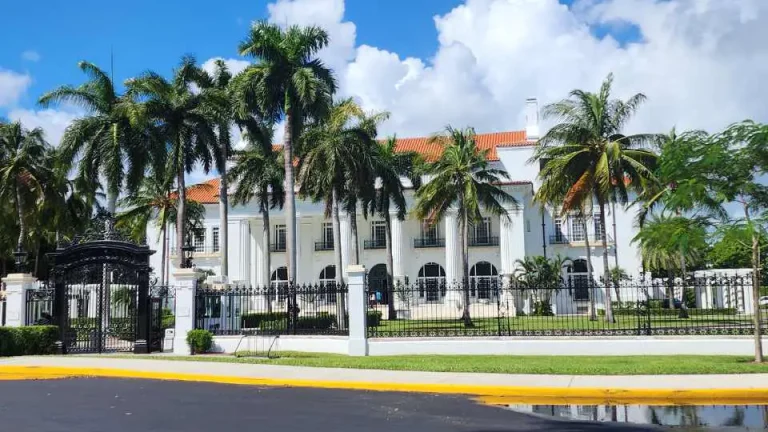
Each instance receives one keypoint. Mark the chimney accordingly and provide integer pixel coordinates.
(532, 119)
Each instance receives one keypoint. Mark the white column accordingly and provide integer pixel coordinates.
(398, 272)
(346, 241)
(261, 271)
(511, 239)
(186, 285)
(358, 329)
(245, 251)
(452, 250)
(253, 268)
(16, 287)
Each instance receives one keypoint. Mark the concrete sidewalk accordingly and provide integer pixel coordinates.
(391, 379)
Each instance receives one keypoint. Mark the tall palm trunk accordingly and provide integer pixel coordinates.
(683, 268)
(392, 311)
(615, 253)
(224, 216)
(265, 246)
(112, 201)
(755, 286)
(607, 271)
(164, 253)
(20, 213)
(464, 248)
(591, 287)
(355, 252)
(290, 195)
(181, 214)
(336, 223)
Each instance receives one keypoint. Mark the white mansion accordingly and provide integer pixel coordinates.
(420, 252)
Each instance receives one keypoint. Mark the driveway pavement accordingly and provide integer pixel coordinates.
(128, 405)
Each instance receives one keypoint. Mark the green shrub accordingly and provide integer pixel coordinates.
(199, 341)
(256, 320)
(32, 340)
(321, 321)
(374, 318)
(542, 308)
(674, 312)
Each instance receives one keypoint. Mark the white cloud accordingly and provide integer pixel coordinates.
(235, 66)
(53, 121)
(12, 86)
(31, 55)
(700, 62)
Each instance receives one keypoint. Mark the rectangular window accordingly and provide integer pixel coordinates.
(599, 229)
(215, 239)
(429, 233)
(578, 229)
(280, 237)
(559, 236)
(378, 233)
(200, 241)
(328, 234)
(483, 231)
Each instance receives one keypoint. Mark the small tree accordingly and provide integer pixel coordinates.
(543, 277)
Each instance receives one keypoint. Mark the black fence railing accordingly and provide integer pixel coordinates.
(484, 241)
(324, 246)
(310, 309)
(433, 308)
(375, 244)
(39, 305)
(2, 304)
(277, 247)
(428, 242)
(558, 239)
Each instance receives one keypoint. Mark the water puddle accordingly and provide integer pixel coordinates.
(676, 417)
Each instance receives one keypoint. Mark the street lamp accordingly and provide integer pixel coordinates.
(186, 252)
(20, 259)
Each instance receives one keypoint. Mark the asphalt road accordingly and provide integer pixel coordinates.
(121, 405)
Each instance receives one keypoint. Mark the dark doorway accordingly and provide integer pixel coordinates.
(377, 283)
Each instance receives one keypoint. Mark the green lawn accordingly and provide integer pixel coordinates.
(560, 365)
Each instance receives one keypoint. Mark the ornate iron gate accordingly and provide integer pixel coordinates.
(101, 295)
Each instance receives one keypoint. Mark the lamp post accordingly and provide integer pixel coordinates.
(187, 251)
(20, 260)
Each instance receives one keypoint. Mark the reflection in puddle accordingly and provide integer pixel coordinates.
(730, 417)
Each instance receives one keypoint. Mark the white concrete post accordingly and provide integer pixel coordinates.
(186, 286)
(16, 287)
(358, 328)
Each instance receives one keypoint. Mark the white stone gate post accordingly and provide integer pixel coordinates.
(358, 311)
(186, 287)
(16, 287)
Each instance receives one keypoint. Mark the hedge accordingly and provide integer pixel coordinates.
(199, 341)
(257, 320)
(32, 340)
(672, 312)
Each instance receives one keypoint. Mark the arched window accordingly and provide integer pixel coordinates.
(483, 280)
(578, 279)
(431, 281)
(279, 283)
(328, 284)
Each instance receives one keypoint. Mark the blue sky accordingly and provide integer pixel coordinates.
(153, 34)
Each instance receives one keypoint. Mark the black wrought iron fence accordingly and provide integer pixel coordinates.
(2, 304)
(486, 307)
(39, 305)
(305, 309)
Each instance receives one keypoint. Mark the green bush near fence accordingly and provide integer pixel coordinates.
(257, 320)
(374, 318)
(199, 341)
(660, 312)
(32, 340)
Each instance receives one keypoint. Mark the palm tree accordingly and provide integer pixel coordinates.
(22, 172)
(587, 157)
(287, 82)
(341, 153)
(219, 82)
(543, 277)
(390, 167)
(671, 243)
(259, 175)
(103, 142)
(462, 179)
(184, 120)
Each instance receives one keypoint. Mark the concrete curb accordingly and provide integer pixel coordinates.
(495, 395)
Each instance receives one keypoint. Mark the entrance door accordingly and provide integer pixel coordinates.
(377, 283)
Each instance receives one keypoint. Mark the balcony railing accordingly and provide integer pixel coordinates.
(428, 242)
(323, 246)
(375, 244)
(200, 250)
(277, 247)
(484, 241)
(593, 240)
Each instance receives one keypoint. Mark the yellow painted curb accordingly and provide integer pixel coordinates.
(495, 395)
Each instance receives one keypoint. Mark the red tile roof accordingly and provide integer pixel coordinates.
(208, 192)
